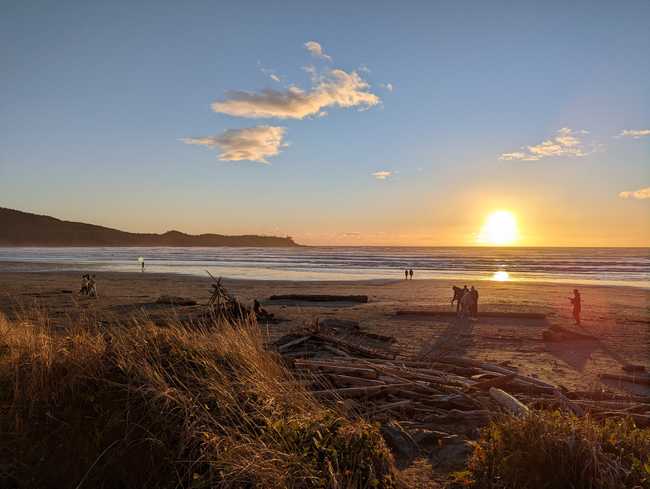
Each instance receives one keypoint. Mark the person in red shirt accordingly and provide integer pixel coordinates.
(577, 305)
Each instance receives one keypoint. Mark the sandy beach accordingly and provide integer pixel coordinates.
(619, 317)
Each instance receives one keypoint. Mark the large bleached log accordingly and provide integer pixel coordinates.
(320, 298)
(367, 373)
(293, 343)
(349, 380)
(352, 347)
(496, 382)
(495, 368)
(509, 402)
(633, 379)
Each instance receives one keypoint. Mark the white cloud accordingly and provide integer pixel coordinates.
(566, 142)
(274, 77)
(250, 143)
(335, 88)
(642, 193)
(382, 175)
(317, 50)
(634, 133)
(387, 86)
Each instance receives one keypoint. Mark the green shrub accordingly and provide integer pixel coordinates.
(549, 450)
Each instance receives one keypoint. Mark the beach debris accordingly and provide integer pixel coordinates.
(481, 314)
(223, 305)
(320, 298)
(450, 397)
(175, 300)
(559, 333)
(401, 443)
(633, 379)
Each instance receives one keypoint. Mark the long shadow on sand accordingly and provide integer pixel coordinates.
(454, 340)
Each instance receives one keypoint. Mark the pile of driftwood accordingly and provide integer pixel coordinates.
(459, 393)
(225, 306)
(335, 337)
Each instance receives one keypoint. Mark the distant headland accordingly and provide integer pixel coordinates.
(19, 228)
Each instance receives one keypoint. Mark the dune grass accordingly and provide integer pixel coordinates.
(550, 450)
(147, 406)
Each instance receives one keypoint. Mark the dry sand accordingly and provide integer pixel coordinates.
(618, 316)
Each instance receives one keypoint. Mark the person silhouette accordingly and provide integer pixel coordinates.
(474, 293)
(142, 263)
(406, 274)
(577, 305)
(411, 273)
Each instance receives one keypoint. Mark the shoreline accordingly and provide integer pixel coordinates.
(67, 267)
(618, 317)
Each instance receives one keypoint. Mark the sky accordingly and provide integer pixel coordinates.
(336, 123)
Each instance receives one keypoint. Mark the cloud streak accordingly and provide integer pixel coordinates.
(566, 142)
(316, 50)
(336, 88)
(251, 143)
(382, 175)
(634, 133)
(641, 194)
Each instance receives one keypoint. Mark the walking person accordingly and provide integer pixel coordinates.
(406, 274)
(577, 306)
(84, 284)
(411, 273)
(474, 294)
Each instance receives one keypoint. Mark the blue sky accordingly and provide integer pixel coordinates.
(98, 101)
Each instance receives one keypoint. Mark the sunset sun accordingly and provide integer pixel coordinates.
(499, 228)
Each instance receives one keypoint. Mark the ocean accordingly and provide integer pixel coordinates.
(606, 266)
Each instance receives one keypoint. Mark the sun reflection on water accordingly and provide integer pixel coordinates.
(501, 276)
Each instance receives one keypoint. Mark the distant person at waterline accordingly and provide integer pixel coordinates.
(411, 273)
(406, 274)
(577, 305)
(474, 293)
(141, 260)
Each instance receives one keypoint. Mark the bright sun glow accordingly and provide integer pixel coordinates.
(501, 276)
(500, 228)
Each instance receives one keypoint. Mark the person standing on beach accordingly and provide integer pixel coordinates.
(142, 263)
(577, 306)
(474, 294)
(406, 274)
(411, 273)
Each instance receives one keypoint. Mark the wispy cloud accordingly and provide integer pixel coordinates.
(634, 133)
(335, 88)
(642, 193)
(317, 50)
(387, 86)
(250, 143)
(382, 175)
(566, 142)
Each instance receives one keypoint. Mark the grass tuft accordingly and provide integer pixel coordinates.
(147, 406)
(548, 450)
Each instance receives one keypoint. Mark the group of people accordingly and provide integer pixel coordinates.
(88, 285)
(466, 301)
(408, 273)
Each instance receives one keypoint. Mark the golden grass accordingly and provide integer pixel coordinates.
(147, 406)
(549, 450)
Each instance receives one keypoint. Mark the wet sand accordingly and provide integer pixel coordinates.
(619, 317)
